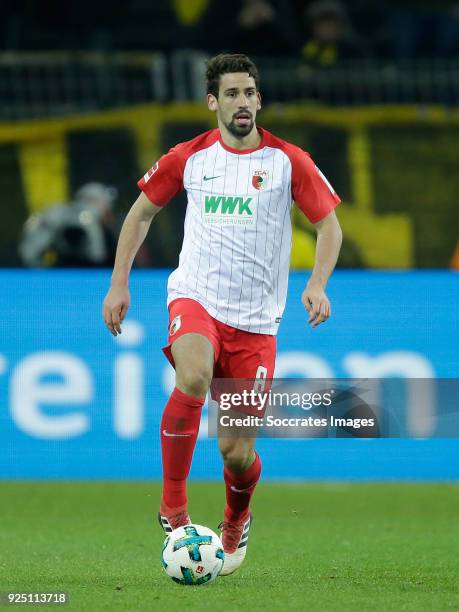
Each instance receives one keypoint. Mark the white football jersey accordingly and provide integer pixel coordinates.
(236, 249)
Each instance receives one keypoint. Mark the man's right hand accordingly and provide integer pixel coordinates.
(115, 307)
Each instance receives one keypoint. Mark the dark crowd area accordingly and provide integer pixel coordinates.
(322, 32)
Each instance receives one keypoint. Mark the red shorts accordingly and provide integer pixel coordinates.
(238, 354)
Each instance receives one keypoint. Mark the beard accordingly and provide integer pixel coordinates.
(239, 131)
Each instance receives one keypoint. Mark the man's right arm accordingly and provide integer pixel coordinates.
(132, 235)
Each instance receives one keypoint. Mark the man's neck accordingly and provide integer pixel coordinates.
(251, 141)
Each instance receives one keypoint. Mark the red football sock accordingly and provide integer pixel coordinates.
(239, 490)
(179, 430)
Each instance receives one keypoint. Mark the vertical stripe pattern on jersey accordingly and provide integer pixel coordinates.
(254, 263)
(268, 232)
(236, 248)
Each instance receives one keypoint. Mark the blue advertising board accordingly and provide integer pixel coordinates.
(78, 403)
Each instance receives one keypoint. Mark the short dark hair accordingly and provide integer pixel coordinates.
(226, 63)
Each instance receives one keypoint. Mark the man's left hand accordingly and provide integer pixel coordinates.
(316, 303)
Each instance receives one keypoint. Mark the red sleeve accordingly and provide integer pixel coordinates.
(164, 179)
(311, 191)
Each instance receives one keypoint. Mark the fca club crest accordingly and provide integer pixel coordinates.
(259, 179)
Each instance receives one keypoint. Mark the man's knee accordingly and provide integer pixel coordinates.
(193, 355)
(237, 453)
(194, 379)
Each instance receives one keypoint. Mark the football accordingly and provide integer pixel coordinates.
(193, 555)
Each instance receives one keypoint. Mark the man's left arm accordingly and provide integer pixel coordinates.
(329, 238)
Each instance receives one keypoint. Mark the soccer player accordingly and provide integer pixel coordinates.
(227, 295)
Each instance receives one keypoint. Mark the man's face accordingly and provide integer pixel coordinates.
(237, 103)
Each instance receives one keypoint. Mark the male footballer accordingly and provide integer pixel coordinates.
(228, 293)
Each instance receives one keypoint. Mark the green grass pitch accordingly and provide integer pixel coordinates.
(312, 547)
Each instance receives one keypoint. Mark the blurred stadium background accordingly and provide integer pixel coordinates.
(91, 94)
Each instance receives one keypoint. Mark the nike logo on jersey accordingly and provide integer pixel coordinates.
(175, 435)
(210, 178)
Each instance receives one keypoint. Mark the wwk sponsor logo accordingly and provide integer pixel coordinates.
(229, 210)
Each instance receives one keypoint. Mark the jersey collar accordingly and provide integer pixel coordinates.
(262, 133)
